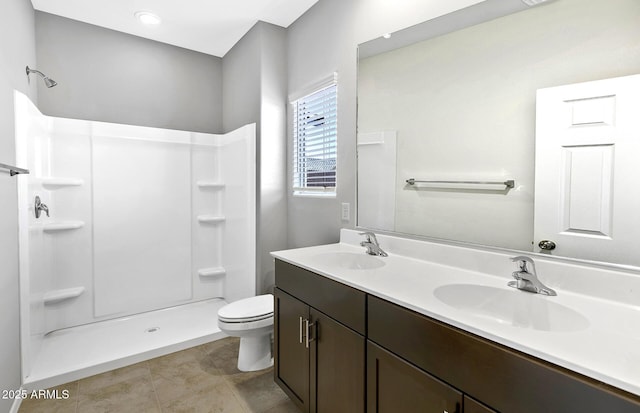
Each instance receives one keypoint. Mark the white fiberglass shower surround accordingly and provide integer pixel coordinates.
(148, 232)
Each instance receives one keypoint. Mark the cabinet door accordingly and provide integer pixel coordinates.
(291, 356)
(393, 385)
(473, 406)
(337, 367)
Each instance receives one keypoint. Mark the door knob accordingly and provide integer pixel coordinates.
(547, 245)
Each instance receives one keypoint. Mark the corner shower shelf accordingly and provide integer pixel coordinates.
(57, 183)
(62, 226)
(213, 272)
(56, 296)
(210, 185)
(210, 219)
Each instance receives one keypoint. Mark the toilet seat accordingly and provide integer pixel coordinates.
(247, 310)
(244, 320)
(247, 328)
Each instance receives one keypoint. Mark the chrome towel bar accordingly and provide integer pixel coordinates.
(509, 183)
(13, 170)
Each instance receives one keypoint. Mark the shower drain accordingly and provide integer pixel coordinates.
(152, 329)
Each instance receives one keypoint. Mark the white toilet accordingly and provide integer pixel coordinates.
(251, 319)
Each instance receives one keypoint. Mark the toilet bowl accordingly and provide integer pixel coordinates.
(251, 319)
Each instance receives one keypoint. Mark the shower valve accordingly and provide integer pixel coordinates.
(39, 207)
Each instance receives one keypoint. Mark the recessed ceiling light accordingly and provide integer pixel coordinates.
(148, 18)
(387, 35)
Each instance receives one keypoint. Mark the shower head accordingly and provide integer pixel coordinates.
(47, 81)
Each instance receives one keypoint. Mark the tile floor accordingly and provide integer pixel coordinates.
(200, 379)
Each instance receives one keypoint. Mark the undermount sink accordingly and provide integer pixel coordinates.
(512, 307)
(350, 260)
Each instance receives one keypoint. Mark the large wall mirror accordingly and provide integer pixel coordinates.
(451, 113)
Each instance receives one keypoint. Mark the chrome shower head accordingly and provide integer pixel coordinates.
(47, 81)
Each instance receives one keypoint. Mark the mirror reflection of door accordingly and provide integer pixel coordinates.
(586, 190)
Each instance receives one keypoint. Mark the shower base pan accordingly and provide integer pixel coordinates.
(78, 352)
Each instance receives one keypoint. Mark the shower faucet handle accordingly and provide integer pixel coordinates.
(39, 207)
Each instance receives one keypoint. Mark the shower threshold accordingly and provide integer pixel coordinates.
(78, 352)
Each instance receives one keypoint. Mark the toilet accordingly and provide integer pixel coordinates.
(251, 319)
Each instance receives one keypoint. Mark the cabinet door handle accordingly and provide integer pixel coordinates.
(308, 333)
(301, 334)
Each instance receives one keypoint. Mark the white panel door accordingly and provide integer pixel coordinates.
(587, 155)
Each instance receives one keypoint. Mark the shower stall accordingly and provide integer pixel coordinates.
(131, 238)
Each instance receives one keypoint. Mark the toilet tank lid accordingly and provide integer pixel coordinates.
(248, 307)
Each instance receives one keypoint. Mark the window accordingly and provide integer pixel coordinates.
(314, 141)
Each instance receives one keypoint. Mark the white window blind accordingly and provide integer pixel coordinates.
(315, 129)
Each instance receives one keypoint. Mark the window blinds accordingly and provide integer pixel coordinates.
(315, 145)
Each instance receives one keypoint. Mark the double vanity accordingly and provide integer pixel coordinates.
(436, 328)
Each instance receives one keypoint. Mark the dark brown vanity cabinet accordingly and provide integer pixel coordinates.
(413, 363)
(319, 341)
(499, 377)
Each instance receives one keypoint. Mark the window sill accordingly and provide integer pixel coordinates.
(303, 194)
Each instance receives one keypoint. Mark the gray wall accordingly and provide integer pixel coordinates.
(241, 86)
(17, 49)
(328, 26)
(272, 230)
(254, 90)
(110, 76)
(322, 41)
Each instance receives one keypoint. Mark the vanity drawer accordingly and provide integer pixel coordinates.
(341, 302)
(506, 380)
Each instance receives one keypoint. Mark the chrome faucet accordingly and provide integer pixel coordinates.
(38, 207)
(371, 243)
(528, 281)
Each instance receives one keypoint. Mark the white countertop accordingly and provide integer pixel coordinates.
(608, 349)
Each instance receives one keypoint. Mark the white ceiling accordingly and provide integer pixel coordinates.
(208, 26)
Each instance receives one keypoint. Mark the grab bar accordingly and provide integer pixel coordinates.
(509, 183)
(14, 170)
